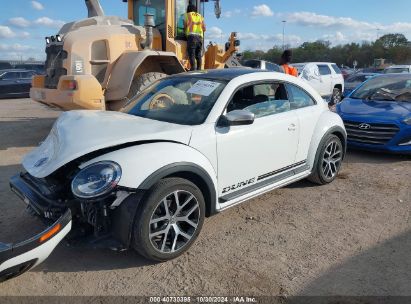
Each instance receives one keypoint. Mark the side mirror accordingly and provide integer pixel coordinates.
(237, 118)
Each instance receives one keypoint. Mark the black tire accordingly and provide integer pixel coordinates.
(162, 193)
(320, 174)
(337, 97)
(140, 83)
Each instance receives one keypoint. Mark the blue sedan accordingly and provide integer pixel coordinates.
(377, 115)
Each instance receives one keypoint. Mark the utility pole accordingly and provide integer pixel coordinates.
(378, 33)
(284, 22)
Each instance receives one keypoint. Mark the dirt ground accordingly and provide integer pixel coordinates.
(352, 237)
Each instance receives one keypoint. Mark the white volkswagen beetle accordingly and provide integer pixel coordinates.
(188, 147)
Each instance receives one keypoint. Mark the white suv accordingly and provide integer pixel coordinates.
(325, 77)
(188, 147)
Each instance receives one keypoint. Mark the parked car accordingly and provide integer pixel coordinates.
(347, 72)
(371, 70)
(15, 83)
(377, 115)
(352, 82)
(262, 65)
(38, 68)
(5, 65)
(324, 77)
(190, 146)
(398, 69)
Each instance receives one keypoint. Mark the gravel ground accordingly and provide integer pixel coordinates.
(352, 237)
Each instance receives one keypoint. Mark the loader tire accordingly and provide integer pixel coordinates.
(140, 83)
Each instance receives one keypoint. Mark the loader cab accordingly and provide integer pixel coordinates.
(168, 15)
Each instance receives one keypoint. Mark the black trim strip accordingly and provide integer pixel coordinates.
(264, 176)
(276, 176)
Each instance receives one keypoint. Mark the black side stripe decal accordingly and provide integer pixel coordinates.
(264, 176)
(269, 178)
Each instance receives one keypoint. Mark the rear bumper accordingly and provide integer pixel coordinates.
(16, 259)
(87, 95)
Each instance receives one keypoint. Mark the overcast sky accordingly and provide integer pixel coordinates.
(25, 23)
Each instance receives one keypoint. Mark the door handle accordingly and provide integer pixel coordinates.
(292, 127)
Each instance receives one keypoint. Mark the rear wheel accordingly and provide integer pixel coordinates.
(142, 82)
(169, 220)
(328, 162)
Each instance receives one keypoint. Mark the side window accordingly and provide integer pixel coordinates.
(324, 69)
(181, 7)
(11, 76)
(299, 98)
(336, 69)
(261, 99)
(26, 75)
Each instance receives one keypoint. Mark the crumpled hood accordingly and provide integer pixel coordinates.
(77, 133)
(385, 109)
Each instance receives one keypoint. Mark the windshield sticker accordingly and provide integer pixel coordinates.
(203, 87)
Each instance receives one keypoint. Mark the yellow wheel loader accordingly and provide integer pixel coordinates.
(103, 61)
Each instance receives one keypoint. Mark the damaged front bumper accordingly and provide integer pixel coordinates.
(16, 259)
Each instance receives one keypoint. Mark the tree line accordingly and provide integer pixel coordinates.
(395, 48)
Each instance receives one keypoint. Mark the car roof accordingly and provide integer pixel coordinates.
(222, 74)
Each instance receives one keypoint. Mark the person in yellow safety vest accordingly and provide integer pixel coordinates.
(194, 28)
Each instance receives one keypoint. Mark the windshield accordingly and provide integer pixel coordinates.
(182, 100)
(385, 88)
(397, 70)
(156, 7)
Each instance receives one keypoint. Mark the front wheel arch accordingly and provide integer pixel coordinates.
(189, 171)
(337, 131)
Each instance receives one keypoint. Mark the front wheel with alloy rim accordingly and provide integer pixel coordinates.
(169, 219)
(328, 162)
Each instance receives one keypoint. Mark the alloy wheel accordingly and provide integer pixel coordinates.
(332, 159)
(174, 221)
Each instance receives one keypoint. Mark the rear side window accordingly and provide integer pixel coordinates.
(324, 69)
(299, 98)
(336, 69)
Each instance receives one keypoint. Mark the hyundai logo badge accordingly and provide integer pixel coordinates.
(41, 162)
(364, 126)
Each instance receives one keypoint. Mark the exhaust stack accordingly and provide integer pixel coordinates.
(148, 25)
(94, 8)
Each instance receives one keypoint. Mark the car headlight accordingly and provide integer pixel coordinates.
(96, 180)
(407, 121)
